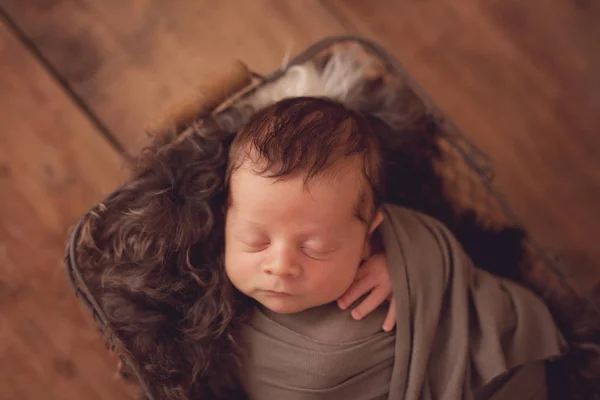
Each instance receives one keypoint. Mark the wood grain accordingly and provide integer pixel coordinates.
(129, 60)
(53, 166)
(521, 79)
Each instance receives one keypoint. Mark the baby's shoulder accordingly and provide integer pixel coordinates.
(411, 221)
(417, 240)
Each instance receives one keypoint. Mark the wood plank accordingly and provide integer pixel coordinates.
(128, 60)
(521, 79)
(54, 165)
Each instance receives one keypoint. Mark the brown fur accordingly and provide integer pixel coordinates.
(153, 253)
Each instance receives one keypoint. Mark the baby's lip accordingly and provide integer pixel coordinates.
(277, 293)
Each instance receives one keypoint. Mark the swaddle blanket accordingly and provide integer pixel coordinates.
(461, 332)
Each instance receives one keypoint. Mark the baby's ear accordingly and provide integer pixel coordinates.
(376, 221)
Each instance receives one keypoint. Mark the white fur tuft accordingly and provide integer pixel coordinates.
(344, 79)
(340, 77)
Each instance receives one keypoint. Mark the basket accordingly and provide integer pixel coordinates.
(466, 171)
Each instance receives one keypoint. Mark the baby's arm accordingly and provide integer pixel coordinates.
(373, 276)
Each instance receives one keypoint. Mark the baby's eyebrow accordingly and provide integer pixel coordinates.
(253, 224)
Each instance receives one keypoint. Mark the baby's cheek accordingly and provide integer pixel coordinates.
(337, 280)
(238, 270)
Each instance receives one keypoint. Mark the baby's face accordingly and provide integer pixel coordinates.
(289, 246)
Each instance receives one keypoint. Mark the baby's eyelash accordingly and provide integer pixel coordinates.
(256, 244)
(314, 254)
(254, 249)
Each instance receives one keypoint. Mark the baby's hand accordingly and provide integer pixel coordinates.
(372, 276)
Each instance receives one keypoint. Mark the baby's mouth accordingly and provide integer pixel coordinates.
(275, 293)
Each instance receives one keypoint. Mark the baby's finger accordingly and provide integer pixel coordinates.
(390, 319)
(354, 292)
(373, 300)
(362, 273)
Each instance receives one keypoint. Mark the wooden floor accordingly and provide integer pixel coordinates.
(79, 79)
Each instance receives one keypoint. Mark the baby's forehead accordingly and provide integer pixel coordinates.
(345, 172)
(337, 189)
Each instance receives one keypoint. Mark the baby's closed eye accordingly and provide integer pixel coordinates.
(318, 250)
(254, 242)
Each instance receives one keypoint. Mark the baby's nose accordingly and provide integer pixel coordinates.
(283, 265)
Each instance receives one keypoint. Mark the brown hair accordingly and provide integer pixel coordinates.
(310, 135)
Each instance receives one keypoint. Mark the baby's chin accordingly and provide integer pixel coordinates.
(285, 304)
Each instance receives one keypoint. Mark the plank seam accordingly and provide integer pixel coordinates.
(63, 83)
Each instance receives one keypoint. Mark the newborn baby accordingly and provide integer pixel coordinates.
(298, 229)
(307, 236)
